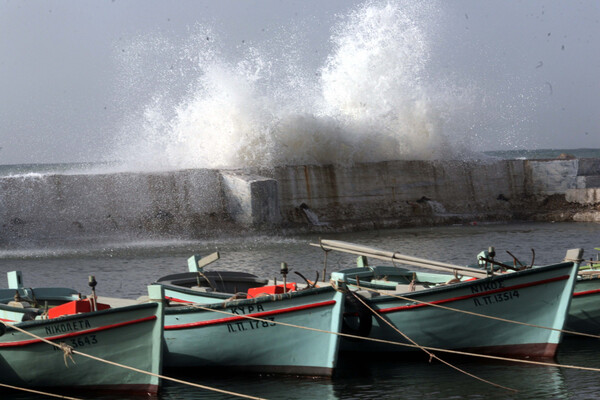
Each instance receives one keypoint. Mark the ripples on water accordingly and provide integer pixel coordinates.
(124, 268)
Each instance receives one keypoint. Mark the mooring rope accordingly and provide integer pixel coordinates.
(457, 352)
(478, 314)
(414, 344)
(431, 355)
(67, 353)
(72, 351)
(38, 392)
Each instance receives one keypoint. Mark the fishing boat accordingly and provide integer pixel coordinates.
(239, 321)
(584, 313)
(130, 336)
(408, 301)
(27, 303)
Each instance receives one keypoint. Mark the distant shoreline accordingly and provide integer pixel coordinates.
(537, 154)
(105, 166)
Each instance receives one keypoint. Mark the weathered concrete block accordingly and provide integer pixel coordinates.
(400, 189)
(589, 166)
(553, 176)
(107, 202)
(587, 216)
(251, 200)
(583, 196)
(588, 181)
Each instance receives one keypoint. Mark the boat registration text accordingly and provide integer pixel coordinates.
(71, 326)
(495, 298)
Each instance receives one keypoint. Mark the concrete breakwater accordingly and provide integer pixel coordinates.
(195, 203)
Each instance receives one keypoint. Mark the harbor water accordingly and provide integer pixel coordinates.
(124, 267)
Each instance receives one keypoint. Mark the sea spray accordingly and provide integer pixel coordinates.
(374, 81)
(373, 98)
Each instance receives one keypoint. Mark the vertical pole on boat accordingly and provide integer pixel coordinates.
(92, 283)
(492, 254)
(284, 271)
(324, 261)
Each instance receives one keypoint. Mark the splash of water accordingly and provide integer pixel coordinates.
(372, 99)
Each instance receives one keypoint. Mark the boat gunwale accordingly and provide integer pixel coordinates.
(464, 284)
(19, 343)
(258, 314)
(62, 318)
(184, 276)
(586, 293)
(241, 302)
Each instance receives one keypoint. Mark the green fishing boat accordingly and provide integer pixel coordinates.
(221, 319)
(584, 311)
(403, 300)
(584, 314)
(130, 336)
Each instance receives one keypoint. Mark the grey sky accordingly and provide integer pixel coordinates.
(60, 76)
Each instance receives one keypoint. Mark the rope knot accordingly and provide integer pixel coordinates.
(67, 353)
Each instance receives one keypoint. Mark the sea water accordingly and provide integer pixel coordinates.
(125, 268)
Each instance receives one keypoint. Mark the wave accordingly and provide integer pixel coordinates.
(374, 97)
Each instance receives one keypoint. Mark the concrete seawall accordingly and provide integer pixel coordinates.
(401, 193)
(196, 203)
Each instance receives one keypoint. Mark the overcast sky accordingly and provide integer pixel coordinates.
(61, 69)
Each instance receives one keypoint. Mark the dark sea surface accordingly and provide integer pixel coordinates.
(102, 167)
(544, 153)
(124, 268)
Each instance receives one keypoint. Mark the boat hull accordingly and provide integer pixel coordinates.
(537, 296)
(584, 314)
(197, 337)
(130, 336)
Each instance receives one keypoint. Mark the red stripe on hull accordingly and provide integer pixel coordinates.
(587, 292)
(78, 333)
(469, 296)
(176, 300)
(256, 315)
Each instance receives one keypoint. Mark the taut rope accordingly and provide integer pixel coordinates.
(457, 352)
(38, 392)
(477, 314)
(72, 351)
(431, 355)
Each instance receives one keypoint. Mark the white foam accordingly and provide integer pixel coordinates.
(374, 98)
(27, 175)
